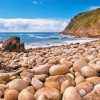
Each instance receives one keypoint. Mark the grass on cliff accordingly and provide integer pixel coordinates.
(85, 20)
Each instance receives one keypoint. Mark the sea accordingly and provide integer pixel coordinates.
(43, 39)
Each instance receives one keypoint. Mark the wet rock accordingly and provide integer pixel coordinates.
(13, 44)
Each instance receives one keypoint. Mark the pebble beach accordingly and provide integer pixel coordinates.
(66, 72)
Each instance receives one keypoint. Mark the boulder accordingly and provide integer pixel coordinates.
(59, 69)
(27, 94)
(13, 44)
(11, 95)
(17, 84)
(65, 85)
(42, 69)
(93, 80)
(79, 79)
(37, 84)
(43, 97)
(85, 86)
(78, 64)
(71, 94)
(88, 71)
(93, 95)
(50, 93)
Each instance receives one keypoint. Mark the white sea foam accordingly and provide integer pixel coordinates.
(20, 34)
(81, 40)
(32, 35)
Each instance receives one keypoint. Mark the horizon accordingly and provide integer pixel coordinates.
(41, 15)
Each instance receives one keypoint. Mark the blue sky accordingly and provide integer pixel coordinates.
(41, 15)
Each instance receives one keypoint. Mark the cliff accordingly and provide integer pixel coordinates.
(86, 24)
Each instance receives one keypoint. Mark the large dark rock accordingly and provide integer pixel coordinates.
(13, 45)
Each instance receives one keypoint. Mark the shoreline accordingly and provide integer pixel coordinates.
(60, 44)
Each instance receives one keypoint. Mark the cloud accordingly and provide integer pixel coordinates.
(36, 2)
(94, 7)
(32, 25)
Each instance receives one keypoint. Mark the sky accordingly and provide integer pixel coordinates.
(41, 15)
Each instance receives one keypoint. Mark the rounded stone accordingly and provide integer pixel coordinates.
(37, 84)
(4, 76)
(26, 73)
(66, 62)
(95, 63)
(2, 89)
(79, 79)
(11, 95)
(97, 87)
(93, 80)
(27, 94)
(88, 71)
(43, 97)
(41, 77)
(26, 79)
(78, 64)
(86, 86)
(93, 95)
(51, 93)
(59, 69)
(70, 75)
(42, 69)
(17, 84)
(65, 85)
(82, 92)
(71, 94)
(78, 74)
(53, 84)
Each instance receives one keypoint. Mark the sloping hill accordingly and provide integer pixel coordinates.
(86, 24)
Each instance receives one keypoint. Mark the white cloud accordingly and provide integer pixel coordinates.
(94, 7)
(36, 2)
(32, 25)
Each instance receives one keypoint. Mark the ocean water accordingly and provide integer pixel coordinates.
(43, 39)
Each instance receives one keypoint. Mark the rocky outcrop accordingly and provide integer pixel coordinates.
(86, 24)
(13, 44)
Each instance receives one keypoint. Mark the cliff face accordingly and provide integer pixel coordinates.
(85, 24)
